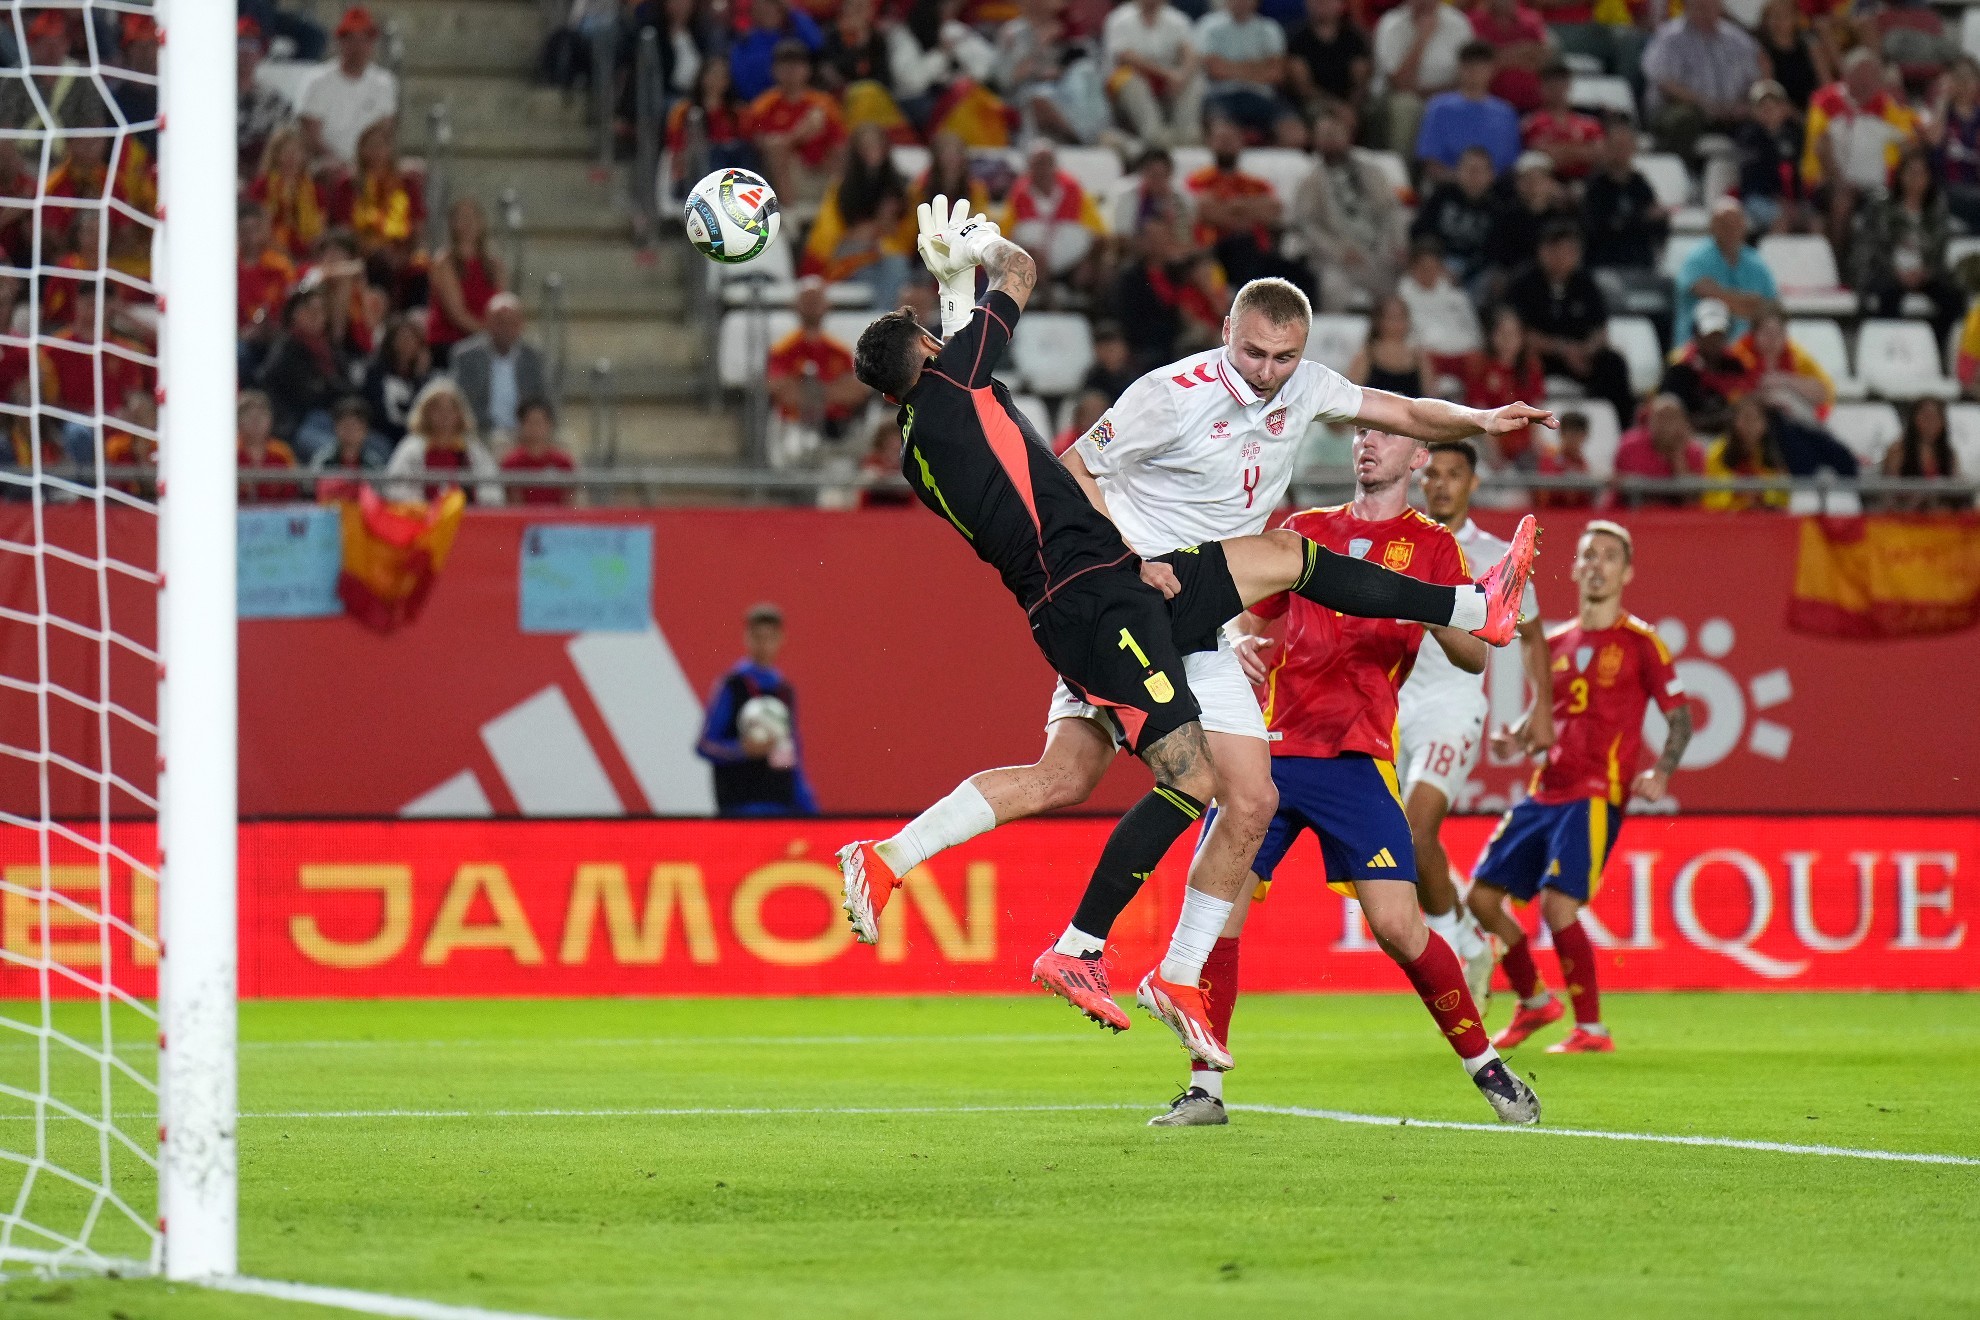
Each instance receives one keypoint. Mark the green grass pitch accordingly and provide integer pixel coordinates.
(775, 1201)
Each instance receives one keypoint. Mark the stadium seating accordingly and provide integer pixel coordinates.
(1805, 269)
(1900, 360)
(1600, 92)
(1866, 428)
(1969, 32)
(1822, 339)
(732, 345)
(847, 327)
(1963, 424)
(1096, 168)
(1051, 352)
(1604, 432)
(1667, 177)
(1335, 338)
(911, 161)
(1282, 167)
(1635, 337)
(1393, 167)
(1035, 411)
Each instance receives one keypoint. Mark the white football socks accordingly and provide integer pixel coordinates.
(1197, 929)
(957, 818)
(1468, 611)
(1445, 924)
(1476, 1063)
(1076, 943)
(1206, 1080)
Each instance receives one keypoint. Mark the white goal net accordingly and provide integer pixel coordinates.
(116, 1063)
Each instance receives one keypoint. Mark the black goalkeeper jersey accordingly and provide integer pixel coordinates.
(973, 458)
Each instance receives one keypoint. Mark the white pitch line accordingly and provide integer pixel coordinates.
(363, 1303)
(1662, 1139)
(701, 1112)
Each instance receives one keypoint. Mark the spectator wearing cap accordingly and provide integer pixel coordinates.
(497, 369)
(1769, 148)
(1568, 138)
(1567, 318)
(1460, 214)
(355, 446)
(305, 372)
(60, 95)
(258, 108)
(1329, 61)
(537, 450)
(1052, 217)
(1519, 38)
(798, 128)
(1469, 116)
(1856, 131)
(1704, 373)
(1697, 71)
(1723, 266)
(753, 56)
(1347, 216)
(750, 734)
(1903, 247)
(1663, 446)
(1244, 62)
(1154, 72)
(1416, 57)
(810, 374)
(1625, 223)
(348, 94)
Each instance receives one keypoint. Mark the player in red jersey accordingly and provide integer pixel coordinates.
(1330, 709)
(1608, 666)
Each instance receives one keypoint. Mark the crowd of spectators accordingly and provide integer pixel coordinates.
(1491, 272)
(359, 345)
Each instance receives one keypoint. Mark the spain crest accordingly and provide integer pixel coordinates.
(1608, 664)
(1160, 688)
(1397, 554)
(1275, 421)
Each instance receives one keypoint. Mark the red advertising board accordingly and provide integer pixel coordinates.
(523, 908)
(912, 667)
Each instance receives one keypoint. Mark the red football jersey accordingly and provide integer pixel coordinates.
(1603, 679)
(1333, 686)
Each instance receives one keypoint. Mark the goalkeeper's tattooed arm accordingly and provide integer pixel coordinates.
(1010, 269)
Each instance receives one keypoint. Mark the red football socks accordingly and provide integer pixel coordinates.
(1577, 957)
(1439, 980)
(1519, 969)
(1220, 986)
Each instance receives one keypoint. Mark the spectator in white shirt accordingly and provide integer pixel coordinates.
(348, 94)
(441, 445)
(1416, 56)
(1445, 320)
(1153, 73)
(1244, 56)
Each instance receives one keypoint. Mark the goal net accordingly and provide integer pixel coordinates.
(116, 1060)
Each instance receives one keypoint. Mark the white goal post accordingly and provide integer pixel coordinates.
(197, 705)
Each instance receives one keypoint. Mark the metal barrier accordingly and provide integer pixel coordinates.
(604, 415)
(556, 335)
(604, 74)
(439, 173)
(649, 110)
(518, 239)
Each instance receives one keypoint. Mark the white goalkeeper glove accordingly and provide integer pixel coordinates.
(951, 243)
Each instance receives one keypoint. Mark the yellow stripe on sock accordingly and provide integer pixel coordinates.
(1179, 803)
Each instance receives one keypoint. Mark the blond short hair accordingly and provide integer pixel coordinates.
(1615, 529)
(1278, 301)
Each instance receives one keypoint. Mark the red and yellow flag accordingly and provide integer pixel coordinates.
(1887, 577)
(392, 553)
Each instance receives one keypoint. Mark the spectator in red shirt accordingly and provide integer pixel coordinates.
(1053, 218)
(883, 460)
(537, 451)
(810, 374)
(717, 114)
(75, 350)
(797, 127)
(263, 277)
(1507, 370)
(297, 211)
(383, 205)
(1238, 215)
(1705, 374)
(1519, 35)
(1663, 446)
(256, 447)
(1565, 136)
(1564, 459)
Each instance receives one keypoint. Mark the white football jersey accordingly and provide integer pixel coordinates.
(1435, 678)
(1189, 453)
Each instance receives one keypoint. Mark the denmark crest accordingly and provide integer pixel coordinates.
(1275, 421)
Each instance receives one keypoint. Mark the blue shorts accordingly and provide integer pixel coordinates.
(1353, 805)
(1551, 845)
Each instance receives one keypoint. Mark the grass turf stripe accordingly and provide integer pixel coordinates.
(363, 1303)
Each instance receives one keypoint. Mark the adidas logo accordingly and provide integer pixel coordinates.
(1383, 858)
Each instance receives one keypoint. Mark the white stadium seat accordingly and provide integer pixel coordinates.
(1335, 338)
(1187, 161)
(1635, 337)
(732, 346)
(1601, 93)
(1667, 177)
(846, 327)
(1900, 360)
(1282, 167)
(1969, 32)
(1392, 165)
(1804, 267)
(1036, 412)
(1051, 351)
(911, 161)
(1604, 432)
(1096, 168)
(1677, 249)
(1963, 425)
(1822, 339)
(1867, 429)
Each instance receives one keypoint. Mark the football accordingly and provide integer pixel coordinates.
(732, 217)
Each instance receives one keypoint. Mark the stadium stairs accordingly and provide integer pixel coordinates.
(479, 57)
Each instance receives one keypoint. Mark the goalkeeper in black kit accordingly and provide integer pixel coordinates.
(978, 464)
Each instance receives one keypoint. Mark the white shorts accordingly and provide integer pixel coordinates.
(1222, 692)
(1442, 739)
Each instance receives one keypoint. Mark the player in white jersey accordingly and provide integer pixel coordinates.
(1443, 713)
(1197, 451)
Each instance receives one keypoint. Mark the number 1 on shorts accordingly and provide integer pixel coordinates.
(1129, 644)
